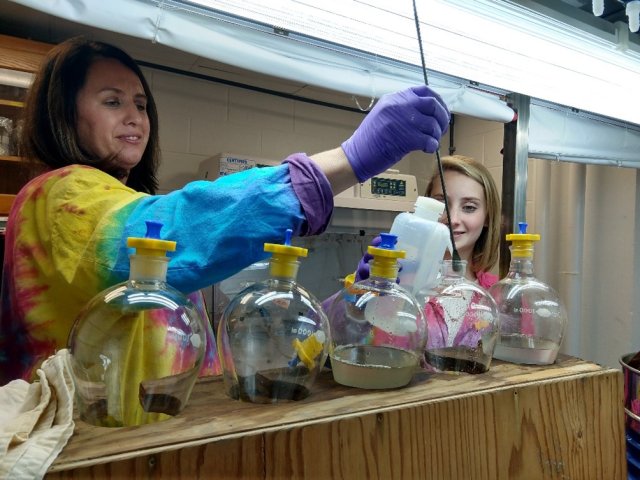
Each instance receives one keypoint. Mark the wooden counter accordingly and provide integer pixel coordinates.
(565, 421)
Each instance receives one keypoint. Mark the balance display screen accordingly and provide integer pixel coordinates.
(389, 186)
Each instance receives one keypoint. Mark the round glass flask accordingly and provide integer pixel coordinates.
(273, 335)
(378, 332)
(462, 321)
(137, 347)
(532, 317)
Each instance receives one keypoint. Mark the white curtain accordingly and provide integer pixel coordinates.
(588, 217)
(557, 133)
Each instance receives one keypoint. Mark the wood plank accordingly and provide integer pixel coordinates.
(507, 423)
(6, 201)
(20, 54)
(222, 460)
(16, 171)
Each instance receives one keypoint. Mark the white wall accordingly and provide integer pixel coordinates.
(482, 140)
(199, 119)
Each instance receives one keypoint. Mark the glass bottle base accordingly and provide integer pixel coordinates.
(457, 359)
(373, 367)
(517, 348)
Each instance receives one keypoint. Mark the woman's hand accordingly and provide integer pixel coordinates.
(400, 123)
(362, 272)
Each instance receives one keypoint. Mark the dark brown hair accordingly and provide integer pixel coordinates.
(49, 131)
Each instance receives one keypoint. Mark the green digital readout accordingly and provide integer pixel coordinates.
(388, 186)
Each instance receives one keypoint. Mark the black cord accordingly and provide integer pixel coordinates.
(454, 255)
(231, 83)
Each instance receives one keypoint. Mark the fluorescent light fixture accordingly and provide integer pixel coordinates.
(370, 46)
(521, 51)
(493, 42)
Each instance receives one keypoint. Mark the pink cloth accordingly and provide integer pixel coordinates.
(486, 279)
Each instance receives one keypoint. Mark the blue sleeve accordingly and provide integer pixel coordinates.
(220, 227)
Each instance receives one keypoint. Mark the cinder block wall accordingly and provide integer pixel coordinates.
(199, 119)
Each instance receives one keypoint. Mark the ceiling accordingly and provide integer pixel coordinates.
(18, 20)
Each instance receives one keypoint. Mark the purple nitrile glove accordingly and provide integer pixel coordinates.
(362, 272)
(400, 123)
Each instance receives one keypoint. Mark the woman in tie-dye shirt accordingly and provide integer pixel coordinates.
(91, 117)
(66, 238)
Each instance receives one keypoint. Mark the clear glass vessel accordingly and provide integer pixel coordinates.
(137, 347)
(463, 323)
(273, 335)
(378, 332)
(532, 317)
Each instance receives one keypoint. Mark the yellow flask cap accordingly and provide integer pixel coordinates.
(385, 257)
(151, 245)
(349, 280)
(284, 261)
(522, 243)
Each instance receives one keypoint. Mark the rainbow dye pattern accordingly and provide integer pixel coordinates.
(65, 243)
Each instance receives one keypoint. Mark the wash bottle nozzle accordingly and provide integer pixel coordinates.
(428, 208)
(522, 243)
(385, 257)
(308, 349)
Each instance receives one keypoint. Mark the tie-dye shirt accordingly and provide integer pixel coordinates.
(66, 242)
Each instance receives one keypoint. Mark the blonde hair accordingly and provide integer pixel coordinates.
(486, 249)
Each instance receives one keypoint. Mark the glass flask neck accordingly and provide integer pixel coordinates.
(380, 281)
(285, 279)
(144, 268)
(283, 283)
(454, 269)
(521, 264)
(284, 267)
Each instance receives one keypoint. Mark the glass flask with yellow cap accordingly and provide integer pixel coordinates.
(462, 321)
(378, 333)
(273, 335)
(532, 317)
(137, 347)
